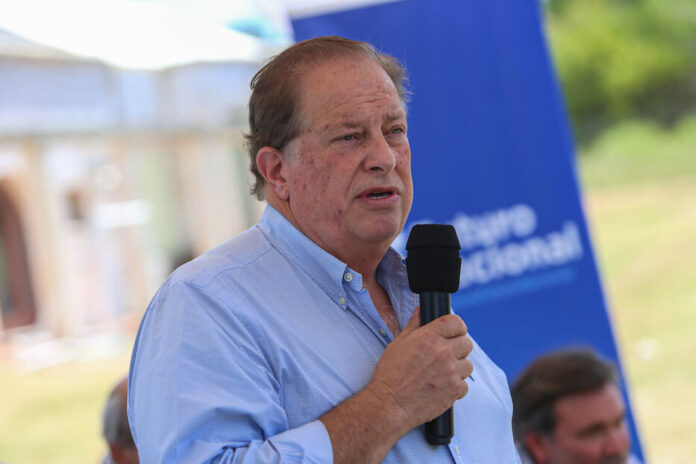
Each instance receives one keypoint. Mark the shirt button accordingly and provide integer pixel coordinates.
(383, 332)
(342, 300)
(348, 277)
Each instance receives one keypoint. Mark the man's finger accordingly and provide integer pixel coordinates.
(449, 326)
(467, 368)
(462, 347)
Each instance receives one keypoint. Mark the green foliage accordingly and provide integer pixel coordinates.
(636, 152)
(624, 59)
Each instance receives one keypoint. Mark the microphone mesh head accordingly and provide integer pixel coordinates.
(433, 263)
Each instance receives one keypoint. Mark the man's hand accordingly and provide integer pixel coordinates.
(420, 375)
(423, 371)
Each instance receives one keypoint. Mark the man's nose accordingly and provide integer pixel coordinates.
(380, 155)
(616, 442)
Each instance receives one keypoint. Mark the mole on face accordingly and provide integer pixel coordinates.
(339, 217)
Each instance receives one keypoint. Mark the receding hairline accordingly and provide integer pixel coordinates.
(303, 70)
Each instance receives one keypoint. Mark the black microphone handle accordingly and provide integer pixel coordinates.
(440, 430)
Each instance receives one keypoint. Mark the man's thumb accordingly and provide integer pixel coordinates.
(414, 323)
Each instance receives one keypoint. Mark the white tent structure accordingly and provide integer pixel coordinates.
(130, 34)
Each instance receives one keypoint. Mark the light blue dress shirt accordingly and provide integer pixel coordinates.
(244, 348)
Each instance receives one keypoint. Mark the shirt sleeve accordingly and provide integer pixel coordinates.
(202, 391)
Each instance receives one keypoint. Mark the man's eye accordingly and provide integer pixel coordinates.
(619, 422)
(397, 130)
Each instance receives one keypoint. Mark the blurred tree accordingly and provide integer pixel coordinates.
(622, 59)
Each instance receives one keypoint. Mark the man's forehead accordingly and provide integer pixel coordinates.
(355, 120)
(582, 408)
(342, 78)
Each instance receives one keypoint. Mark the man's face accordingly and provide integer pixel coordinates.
(349, 170)
(590, 429)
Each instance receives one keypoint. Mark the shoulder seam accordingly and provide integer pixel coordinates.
(211, 279)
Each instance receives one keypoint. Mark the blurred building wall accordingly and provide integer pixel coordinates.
(116, 177)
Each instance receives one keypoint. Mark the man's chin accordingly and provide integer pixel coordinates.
(623, 459)
(381, 233)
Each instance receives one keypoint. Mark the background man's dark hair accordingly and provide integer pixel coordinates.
(115, 428)
(551, 377)
(274, 118)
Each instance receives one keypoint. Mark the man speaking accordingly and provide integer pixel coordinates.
(299, 340)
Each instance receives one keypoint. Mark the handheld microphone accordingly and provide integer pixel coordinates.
(433, 266)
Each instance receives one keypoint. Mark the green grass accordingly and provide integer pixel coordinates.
(636, 152)
(53, 416)
(640, 196)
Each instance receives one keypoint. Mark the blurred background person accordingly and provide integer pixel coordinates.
(115, 429)
(568, 409)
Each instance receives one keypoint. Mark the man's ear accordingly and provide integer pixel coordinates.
(537, 446)
(270, 162)
(117, 453)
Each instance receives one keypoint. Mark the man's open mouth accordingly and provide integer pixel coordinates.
(379, 195)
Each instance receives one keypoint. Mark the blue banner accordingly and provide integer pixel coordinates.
(492, 154)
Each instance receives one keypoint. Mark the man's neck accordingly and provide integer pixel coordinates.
(380, 298)
(360, 257)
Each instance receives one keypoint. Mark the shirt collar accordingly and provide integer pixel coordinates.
(392, 268)
(324, 269)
